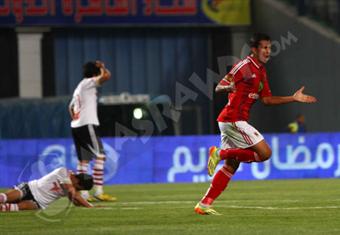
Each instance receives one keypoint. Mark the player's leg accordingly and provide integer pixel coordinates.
(98, 174)
(221, 178)
(263, 150)
(22, 205)
(19, 198)
(98, 179)
(82, 141)
(28, 205)
(98, 167)
(12, 195)
(251, 146)
(259, 152)
(83, 161)
(217, 186)
(82, 168)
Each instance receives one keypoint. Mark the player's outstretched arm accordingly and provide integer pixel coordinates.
(298, 96)
(75, 197)
(78, 200)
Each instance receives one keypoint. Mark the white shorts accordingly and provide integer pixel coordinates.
(238, 134)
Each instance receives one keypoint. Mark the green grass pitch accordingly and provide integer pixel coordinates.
(248, 207)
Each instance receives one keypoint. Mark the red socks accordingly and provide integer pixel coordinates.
(242, 155)
(217, 186)
(223, 176)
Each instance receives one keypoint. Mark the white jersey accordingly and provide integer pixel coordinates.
(48, 188)
(84, 103)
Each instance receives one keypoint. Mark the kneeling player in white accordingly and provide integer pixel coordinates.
(38, 194)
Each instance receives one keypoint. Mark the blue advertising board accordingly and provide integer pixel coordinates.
(120, 12)
(172, 159)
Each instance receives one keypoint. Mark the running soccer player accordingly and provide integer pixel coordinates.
(38, 194)
(241, 142)
(84, 125)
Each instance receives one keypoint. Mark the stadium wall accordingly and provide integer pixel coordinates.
(304, 53)
(172, 159)
(142, 60)
(9, 82)
(151, 60)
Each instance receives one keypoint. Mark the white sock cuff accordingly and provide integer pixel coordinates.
(101, 157)
(3, 198)
(98, 189)
(82, 167)
(14, 207)
(99, 164)
(9, 207)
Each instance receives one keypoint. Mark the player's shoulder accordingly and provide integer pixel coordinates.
(60, 170)
(241, 62)
(87, 81)
(240, 65)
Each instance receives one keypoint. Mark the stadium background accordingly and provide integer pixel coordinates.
(152, 57)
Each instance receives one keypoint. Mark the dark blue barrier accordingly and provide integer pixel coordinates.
(172, 159)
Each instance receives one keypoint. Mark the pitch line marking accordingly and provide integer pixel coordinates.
(280, 208)
(231, 206)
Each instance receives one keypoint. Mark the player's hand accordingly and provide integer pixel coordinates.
(100, 64)
(299, 96)
(74, 116)
(229, 88)
(71, 114)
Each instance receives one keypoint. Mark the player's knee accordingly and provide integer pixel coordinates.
(266, 154)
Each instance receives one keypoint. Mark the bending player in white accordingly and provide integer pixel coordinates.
(38, 194)
(84, 125)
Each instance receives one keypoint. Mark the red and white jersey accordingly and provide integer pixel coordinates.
(84, 103)
(250, 78)
(48, 188)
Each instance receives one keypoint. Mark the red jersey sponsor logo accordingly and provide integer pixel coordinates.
(254, 96)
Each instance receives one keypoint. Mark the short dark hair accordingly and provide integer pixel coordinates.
(257, 37)
(90, 69)
(85, 181)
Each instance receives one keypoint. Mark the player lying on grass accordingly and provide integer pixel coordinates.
(38, 194)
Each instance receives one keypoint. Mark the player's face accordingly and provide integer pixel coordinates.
(262, 52)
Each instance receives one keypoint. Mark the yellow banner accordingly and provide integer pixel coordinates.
(227, 12)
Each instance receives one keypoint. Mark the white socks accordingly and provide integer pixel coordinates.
(98, 175)
(3, 198)
(9, 207)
